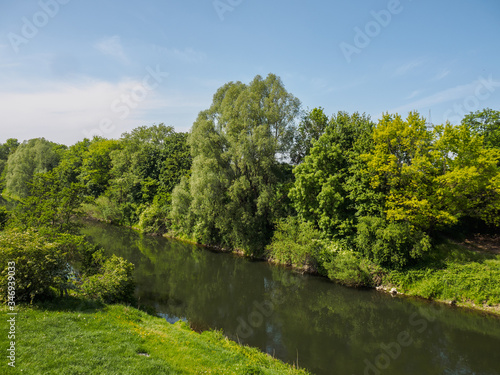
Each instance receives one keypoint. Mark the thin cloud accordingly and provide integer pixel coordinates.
(112, 46)
(454, 93)
(408, 67)
(441, 74)
(414, 94)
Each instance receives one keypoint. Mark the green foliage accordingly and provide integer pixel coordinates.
(114, 282)
(295, 242)
(6, 149)
(236, 146)
(391, 244)
(96, 165)
(149, 165)
(103, 209)
(50, 203)
(4, 217)
(39, 265)
(45, 261)
(350, 268)
(311, 127)
(486, 123)
(30, 158)
(154, 219)
(326, 180)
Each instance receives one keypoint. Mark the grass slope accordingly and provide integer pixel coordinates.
(454, 273)
(71, 336)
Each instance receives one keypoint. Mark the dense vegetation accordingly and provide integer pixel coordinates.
(362, 203)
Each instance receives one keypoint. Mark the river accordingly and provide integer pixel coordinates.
(326, 328)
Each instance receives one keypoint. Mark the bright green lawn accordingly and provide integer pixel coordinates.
(84, 338)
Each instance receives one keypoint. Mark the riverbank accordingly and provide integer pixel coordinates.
(459, 273)
(77, 336)
(464, 274)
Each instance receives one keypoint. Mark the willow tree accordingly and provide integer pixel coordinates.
(30, 158)
(238, 146)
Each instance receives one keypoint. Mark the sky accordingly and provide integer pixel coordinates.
(71, 69)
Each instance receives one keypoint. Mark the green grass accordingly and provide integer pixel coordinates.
(72, 336)
(453, 273)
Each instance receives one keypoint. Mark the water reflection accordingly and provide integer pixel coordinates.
(329, 328)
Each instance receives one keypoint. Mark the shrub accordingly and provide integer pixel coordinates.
(295, 242)
(350, 268)
(153, 219)
(104, 209)
(393, 245)
(114, 282)
(39, 265)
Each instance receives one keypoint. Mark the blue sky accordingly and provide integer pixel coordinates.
(70, 69)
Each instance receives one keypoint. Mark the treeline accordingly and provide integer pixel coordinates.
(341, 195)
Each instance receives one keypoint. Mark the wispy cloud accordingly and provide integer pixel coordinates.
(408, 67)
(112, 46)
(414, 94)
(441, 74)
(454, 93)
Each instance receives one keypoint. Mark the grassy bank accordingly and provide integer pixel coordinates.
(456, 274)
(73, 336)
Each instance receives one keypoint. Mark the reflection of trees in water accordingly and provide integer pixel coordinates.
(333, 328)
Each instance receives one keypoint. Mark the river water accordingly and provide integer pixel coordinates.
(326, 328)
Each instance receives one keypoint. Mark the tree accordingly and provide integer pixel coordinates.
(486, 123)
(237, 145)
(151, 161)
(31, 157)
(96, 167)
(311, 127)
(323, 182)
(51, 203)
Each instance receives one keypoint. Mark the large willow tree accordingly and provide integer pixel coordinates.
(237, 147)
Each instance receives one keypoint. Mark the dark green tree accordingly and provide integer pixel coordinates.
(487, 124)
(311, 127)
(328, 177)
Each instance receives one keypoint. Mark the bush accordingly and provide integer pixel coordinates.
(114, 283)
(349, 268)
(104, 209)
(296, 242)
(39, 265)
(153, 219)
(393, 245)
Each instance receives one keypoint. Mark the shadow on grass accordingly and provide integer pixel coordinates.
(69, 304)
(83, 305)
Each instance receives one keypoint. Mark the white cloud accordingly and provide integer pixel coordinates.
(112, 46)
(444, 96)
(414, 94)
(441, 74)
(408, 67)
(68, 112)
